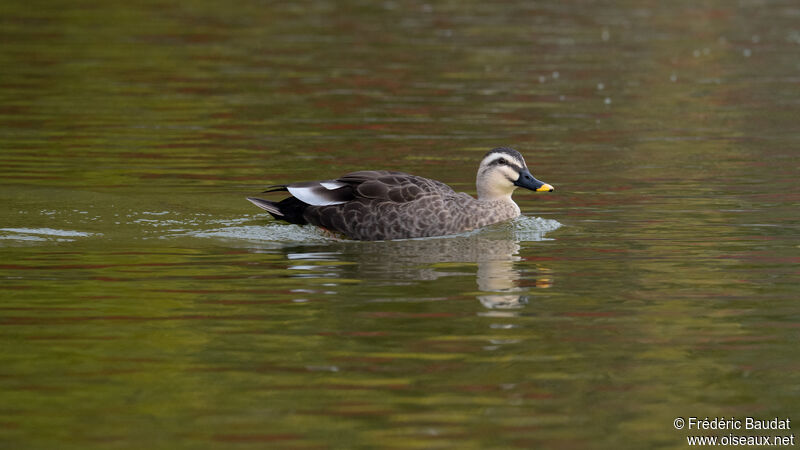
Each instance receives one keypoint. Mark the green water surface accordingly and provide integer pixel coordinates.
(144, 303)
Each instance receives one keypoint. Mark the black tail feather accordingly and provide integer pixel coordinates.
(289, 209)
(275, 188)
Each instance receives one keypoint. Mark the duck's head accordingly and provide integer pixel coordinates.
(503, 170)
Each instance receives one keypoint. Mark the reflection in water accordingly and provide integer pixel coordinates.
(495, 252)
(498, 278)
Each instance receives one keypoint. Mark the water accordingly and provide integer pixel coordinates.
(146, 303)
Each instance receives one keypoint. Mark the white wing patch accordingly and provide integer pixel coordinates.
(318, 195)
(331, 185)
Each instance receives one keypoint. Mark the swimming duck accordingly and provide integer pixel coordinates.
(375, 205)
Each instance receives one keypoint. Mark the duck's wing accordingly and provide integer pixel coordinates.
(397, 187)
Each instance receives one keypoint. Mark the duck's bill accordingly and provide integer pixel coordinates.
(527, 181)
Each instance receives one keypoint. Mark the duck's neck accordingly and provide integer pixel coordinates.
(500, 201)
(494, 195)
(496, 209)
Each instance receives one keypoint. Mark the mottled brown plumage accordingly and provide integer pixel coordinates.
(383, 205)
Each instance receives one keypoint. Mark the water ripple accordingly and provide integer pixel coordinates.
(523, 229)
(42, 234)
(272, 232)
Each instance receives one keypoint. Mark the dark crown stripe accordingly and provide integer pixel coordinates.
(507, 151)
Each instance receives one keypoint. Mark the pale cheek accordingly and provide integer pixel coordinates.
(510, 174)
(501, 184)
(498, 180)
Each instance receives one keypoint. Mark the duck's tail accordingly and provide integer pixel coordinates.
(268, 206)
(289, 209)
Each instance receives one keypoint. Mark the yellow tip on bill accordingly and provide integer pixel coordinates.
(545, 188)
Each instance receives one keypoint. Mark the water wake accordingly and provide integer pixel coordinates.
(42, 234)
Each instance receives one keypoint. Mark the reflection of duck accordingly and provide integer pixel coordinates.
(383, 205)
(498, 279)
(494, 251)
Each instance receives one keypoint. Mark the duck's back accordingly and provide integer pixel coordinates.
(398, 187)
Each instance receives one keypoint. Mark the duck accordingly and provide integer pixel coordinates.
(378, 205)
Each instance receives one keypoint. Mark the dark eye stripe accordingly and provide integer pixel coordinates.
(506, 162)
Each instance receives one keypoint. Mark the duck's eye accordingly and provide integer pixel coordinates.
(501, 161)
